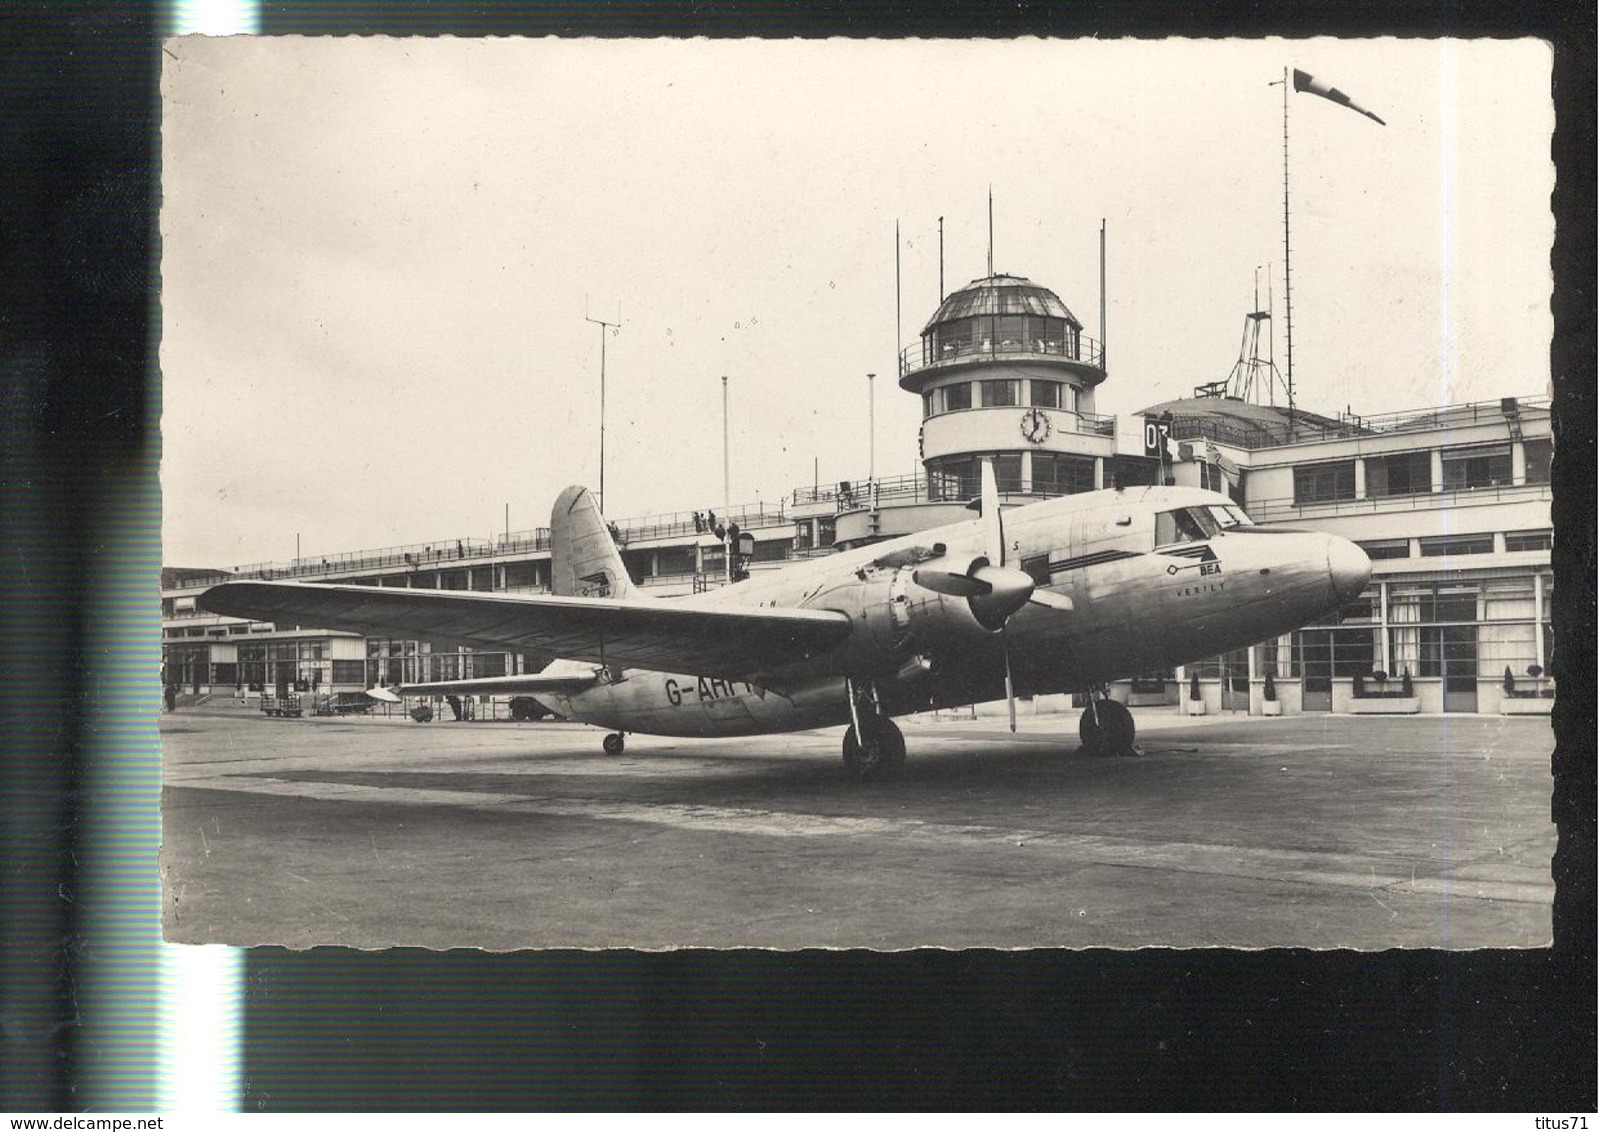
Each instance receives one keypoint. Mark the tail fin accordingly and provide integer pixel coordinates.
(583, 560)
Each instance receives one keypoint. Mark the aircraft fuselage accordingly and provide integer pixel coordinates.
(1151, 583)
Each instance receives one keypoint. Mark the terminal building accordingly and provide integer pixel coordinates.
(1451, 503)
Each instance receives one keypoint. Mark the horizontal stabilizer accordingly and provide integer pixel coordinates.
(502, 685)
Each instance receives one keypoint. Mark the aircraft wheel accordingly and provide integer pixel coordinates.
(613, 743)
(1112, 733)
(881, 755)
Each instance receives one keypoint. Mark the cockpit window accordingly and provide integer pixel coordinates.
(1186, 524)
(1227, 517)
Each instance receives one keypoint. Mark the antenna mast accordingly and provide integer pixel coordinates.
(899, 341)
(1102, 351)
(614, 327)
(1252, 374)
(990, 229)
(941, 260)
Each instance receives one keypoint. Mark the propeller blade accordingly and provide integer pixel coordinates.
(1010, 690)
(951, 584)
(1055, 601)
(993, 526)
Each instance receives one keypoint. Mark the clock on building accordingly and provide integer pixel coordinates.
(1035, 425)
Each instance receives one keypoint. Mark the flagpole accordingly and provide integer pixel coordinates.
(1288, 277)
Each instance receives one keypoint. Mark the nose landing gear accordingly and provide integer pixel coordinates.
(1107, 726)
(613, 743)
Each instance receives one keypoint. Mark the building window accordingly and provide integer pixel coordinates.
(960, 477)
(1378, 549)
(680, 559)
(1047, 335)
(1007, 471)
(1529, 540)
(957, 396)
(1341, 652)
(482, 665)
(998, 394)
(1054, 474)
(349, 672)
(954, 337)
(1324, 483)
(523, 574)
(1052, 394)
(1467, 469)
(1277, 656)
(1406, 473)
(927, 404)
(1507, 637)
(1133, 471)
(1450, 546)
(1539, 453)
(771, 550)
(1420, 616)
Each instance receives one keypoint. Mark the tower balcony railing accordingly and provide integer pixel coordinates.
(1090, 424)
(925, 355)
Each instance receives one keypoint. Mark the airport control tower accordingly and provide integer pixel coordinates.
(1004, 371)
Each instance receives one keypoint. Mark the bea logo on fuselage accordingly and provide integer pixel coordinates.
(708, 689)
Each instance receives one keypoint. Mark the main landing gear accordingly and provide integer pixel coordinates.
(1107, 726)
(874, 748)
(613, 743)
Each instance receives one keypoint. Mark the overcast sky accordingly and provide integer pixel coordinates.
(377, 254)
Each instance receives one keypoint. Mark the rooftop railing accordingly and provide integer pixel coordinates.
(1250, 434)
(922, 355)
(1268, 510)
(466, 551)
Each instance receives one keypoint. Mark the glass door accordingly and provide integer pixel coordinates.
(1315, 652)
(1459, 665)
(1235, 681)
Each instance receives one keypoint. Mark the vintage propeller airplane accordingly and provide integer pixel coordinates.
(1063, 595)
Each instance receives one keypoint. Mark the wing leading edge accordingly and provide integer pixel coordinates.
(731, 642)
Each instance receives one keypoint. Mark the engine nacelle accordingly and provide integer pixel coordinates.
(898, 621)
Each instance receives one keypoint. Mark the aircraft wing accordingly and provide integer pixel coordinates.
(727, 641)
(504, 685)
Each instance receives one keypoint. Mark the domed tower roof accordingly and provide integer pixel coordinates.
(1001, 295)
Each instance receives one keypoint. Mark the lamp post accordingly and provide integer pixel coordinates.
(871, 428)
(727, 496)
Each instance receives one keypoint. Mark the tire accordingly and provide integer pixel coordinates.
(1113, 733)
(613, 743)
(881, 756)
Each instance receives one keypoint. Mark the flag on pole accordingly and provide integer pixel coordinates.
(1221, 460)
(1304, 82)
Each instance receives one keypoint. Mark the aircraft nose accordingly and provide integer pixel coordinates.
(1348, 567)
